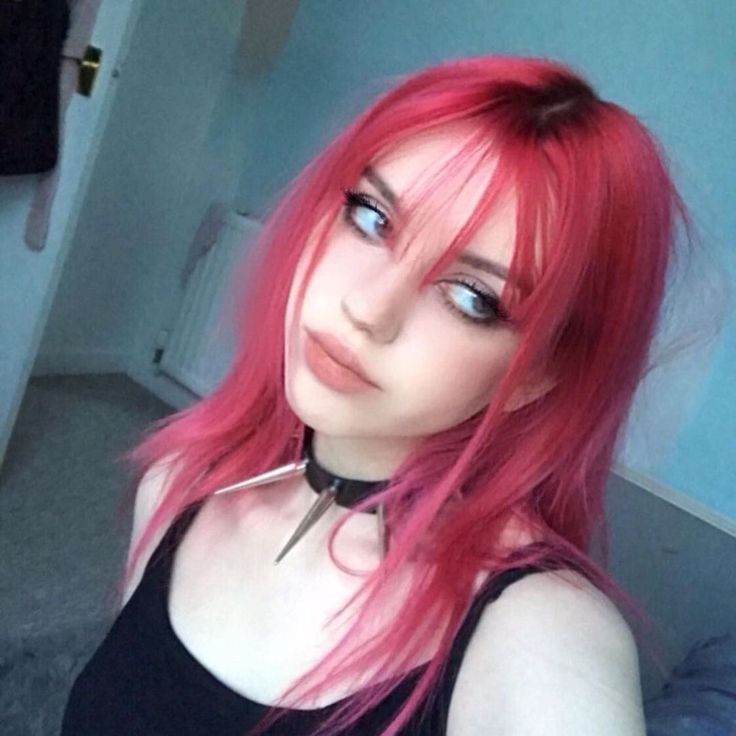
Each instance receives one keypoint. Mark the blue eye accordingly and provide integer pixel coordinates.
(364, 214)
(474, 304)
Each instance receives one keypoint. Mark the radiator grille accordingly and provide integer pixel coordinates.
(200, 348)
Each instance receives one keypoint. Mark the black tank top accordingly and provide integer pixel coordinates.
(142, 680)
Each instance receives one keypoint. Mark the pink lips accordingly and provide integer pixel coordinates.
(335, 362)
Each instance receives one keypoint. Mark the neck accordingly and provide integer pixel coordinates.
(359, 457)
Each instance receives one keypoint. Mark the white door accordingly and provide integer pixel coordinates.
(28, 279)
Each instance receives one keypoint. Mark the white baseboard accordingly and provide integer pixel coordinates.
(677, 498)
(65, 362)
(160, 385)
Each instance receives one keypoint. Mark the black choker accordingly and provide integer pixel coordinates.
(331, 488)
(348, 492)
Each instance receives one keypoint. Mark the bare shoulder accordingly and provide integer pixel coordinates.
(552, 655)
(151, 490)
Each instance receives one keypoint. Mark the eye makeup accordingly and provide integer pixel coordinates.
(366, 216)
(354, 202)
(489, 301)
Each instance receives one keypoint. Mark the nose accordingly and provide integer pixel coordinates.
(378, 304)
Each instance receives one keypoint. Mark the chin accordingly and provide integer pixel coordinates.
(315, 408)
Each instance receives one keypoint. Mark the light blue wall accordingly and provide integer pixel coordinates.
(673, 64)
(185, 128)
(669, 62)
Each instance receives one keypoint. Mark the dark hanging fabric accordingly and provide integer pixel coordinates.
(32, 34)
(699, 699)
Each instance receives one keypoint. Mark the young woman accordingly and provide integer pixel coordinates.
(381, 521)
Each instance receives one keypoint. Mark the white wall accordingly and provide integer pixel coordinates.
(172, 146)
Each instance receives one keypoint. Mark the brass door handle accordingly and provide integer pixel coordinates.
(89, 66)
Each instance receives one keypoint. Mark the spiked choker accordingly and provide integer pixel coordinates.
(331, 489)
(348, 492)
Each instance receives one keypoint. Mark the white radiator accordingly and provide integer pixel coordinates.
(199, 350)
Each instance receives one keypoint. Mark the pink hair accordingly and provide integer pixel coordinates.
(591, 185)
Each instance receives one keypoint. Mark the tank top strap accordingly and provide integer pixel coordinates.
(488, 593)
(163, 556)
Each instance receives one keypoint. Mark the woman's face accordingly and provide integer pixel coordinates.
(435, 354)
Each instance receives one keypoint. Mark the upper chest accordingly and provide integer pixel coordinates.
(257, 625)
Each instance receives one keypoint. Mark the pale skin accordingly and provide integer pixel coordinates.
(550, 656)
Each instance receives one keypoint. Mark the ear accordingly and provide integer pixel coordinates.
(531, 391)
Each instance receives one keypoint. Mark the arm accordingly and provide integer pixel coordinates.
(549, 659)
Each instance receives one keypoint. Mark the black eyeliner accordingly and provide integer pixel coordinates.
(354, 199)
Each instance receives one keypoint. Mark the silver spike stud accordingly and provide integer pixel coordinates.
(324, 500)
(270, 476)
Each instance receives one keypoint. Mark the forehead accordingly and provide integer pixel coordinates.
(456, 183)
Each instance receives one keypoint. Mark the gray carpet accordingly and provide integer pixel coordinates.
(63, 538)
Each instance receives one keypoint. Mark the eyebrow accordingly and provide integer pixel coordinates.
(372, 175)
(483, 264)
(471, 259)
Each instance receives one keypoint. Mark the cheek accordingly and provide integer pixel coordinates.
(299, 275)
(457, 377)
(317, 310)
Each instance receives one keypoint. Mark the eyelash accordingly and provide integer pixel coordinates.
(355, 199)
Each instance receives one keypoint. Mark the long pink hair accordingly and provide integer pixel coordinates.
(591, 185)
